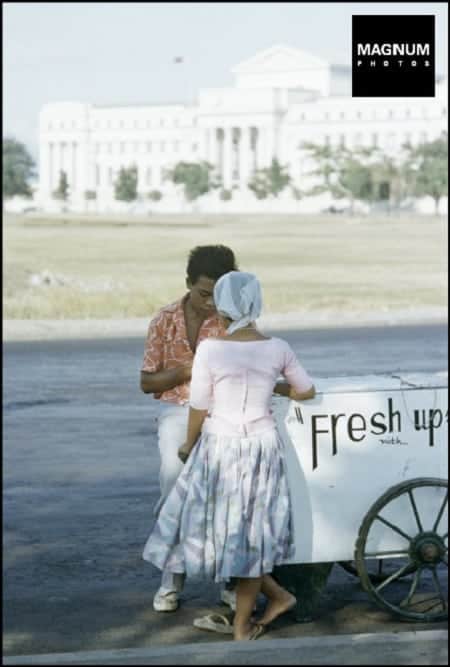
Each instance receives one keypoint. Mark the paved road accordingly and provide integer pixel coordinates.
(81, 477)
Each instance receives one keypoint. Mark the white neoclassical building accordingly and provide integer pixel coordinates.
(282, 97)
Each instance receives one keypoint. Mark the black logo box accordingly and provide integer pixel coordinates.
(395, 80)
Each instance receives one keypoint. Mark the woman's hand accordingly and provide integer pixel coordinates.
(183, 453)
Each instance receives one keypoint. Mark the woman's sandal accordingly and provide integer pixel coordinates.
(258, 630)
(214, 623)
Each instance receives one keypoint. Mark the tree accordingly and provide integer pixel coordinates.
(428, 164)
(226, 195)
(196, 177)
(343, 173)
(269, 181)
(125, 187)
(155, 195)
(62, 191)
(18, 168)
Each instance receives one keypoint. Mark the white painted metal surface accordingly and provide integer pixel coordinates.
(351, 444)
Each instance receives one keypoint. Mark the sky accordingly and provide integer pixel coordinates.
(123, 53)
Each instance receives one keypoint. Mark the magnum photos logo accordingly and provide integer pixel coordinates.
(393, 56)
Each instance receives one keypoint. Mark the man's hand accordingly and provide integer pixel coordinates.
(164, 380)
(183, 453)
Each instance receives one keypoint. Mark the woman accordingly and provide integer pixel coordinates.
(229, 514)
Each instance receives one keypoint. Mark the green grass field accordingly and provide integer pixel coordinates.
(130, 268)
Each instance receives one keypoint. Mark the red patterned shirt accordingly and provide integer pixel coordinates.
(167, 345)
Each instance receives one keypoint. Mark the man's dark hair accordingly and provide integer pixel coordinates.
(211, 261)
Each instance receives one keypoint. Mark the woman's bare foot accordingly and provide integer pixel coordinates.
(277, 607)
(241, 634)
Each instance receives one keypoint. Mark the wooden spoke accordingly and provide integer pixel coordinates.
(441, 511)
(412, 590)
(416, 513)
(391, 525)
(438, 587)
(395, 575)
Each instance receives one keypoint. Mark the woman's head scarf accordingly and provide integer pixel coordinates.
(237, 295)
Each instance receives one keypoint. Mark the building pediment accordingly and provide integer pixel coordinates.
(283, 67)
(279, 59)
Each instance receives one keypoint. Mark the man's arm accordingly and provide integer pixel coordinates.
(160, 381)
(285, 389)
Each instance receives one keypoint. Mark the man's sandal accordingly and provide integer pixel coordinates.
(214, 623)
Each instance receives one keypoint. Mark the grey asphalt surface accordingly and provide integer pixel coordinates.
(80, 474)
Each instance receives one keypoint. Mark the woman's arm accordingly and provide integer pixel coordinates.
(285, 389)
(195, 423)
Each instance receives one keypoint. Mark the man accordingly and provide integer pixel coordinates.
(173, 336)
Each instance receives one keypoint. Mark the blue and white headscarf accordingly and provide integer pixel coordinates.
(237, 295)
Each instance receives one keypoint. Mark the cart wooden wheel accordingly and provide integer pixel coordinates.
(379, 570)
(422, 596)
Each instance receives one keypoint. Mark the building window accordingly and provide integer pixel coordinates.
(342, 115)
(136, 124)
(176, 146)
(327, 140)
(136, 146)
(162, 146)
(444, 111)
(424, 113)
(50, 126)
(303, 116)
(390, 113)
(175, 122)
(342, 140)
(149, 146)
(97, 148)
(194, 147)
(358, 114)
(110, 175)
(358, 139)
(423, 137)
(121, 125)
(375, 139)
(97, 175)
(122, 147)
(408, 138)
(408, 113)
(326, 115)
(161, 121)
(148, 176)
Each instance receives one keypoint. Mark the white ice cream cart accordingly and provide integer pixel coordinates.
(367, 467)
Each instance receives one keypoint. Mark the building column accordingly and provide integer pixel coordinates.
(74, 167)
(45, 166)
(211, 147)
(266, 146)
(245, 150)
(68, 168)
(235, 157)
(227, 158)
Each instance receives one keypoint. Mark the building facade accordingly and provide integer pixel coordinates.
(281, 98)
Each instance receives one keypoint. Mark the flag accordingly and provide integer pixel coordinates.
(178, 59)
